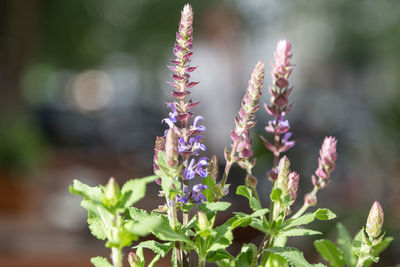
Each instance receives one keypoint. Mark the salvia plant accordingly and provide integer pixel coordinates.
(185, 225)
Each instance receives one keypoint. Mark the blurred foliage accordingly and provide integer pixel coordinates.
(22, 143)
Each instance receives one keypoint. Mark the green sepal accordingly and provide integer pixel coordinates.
(209, 192)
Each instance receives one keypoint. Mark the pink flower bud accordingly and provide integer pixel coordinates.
(293, 185)
(374, 221)
(327, 158)
(171, 149)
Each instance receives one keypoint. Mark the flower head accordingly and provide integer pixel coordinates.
(374, 221)
(327, 158)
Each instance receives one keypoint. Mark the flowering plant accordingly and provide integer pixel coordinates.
(185, 225)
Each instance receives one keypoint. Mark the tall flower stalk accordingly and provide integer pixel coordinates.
(240, 135)
(279, 107)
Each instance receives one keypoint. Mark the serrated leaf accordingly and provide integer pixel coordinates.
(330, 252)
(294, 256)
(258, 224)
(100, 262)
(324, 214)
(96, 227)
(217, 206)
(144, 226)
(88, 192)
(134, 190)
(246, 255)
(137, 214)
(218, 255)
(299, 232)
(344, 242)
(158, 248)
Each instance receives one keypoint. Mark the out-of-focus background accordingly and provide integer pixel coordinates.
(83, 91)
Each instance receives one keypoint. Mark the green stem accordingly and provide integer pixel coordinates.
(202, 262)
(260, 250)
(116, 256)
(265, 255)
(305, 205)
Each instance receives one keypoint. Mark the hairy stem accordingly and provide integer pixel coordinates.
(116, 256)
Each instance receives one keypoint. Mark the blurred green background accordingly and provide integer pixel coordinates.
(83, 91)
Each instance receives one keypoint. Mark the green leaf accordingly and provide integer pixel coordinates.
(134, 190)
(302, 220)
(276, 194)
(344, 242)
(299, 232)
(158, 248)
(217, 206)
(166, 233)
(96, 227)
(137, 214)
(330, 252)
(324, 214)
(246, 255)
(356, 244)
(218, 255)
(209, 192)
(221, 237)
(378, 248)
(294, 256)
(88, 192)
(144, 226)
(154, 261)
(248, 193)
(100, 262)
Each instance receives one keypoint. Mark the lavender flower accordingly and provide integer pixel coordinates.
(374, 221)
(189, 142)
(327, 158)
(195, 194)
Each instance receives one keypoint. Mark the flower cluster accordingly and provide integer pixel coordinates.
(243, 123)
(326, 161)
(189, 142)
(279, 107)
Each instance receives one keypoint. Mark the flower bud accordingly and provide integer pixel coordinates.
(213, 168)
(327, 158)
(112, 193)
(283, 175)
(203, 221)
(293, 185)
(310, 199)
(374, 221)
(251, 181)
(133, 259)
(171, 149)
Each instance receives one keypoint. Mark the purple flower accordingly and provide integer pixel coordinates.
(199, 169)
(197, 196)
(194, 127)
(278, 125)
(172, 115)
(285, 143)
